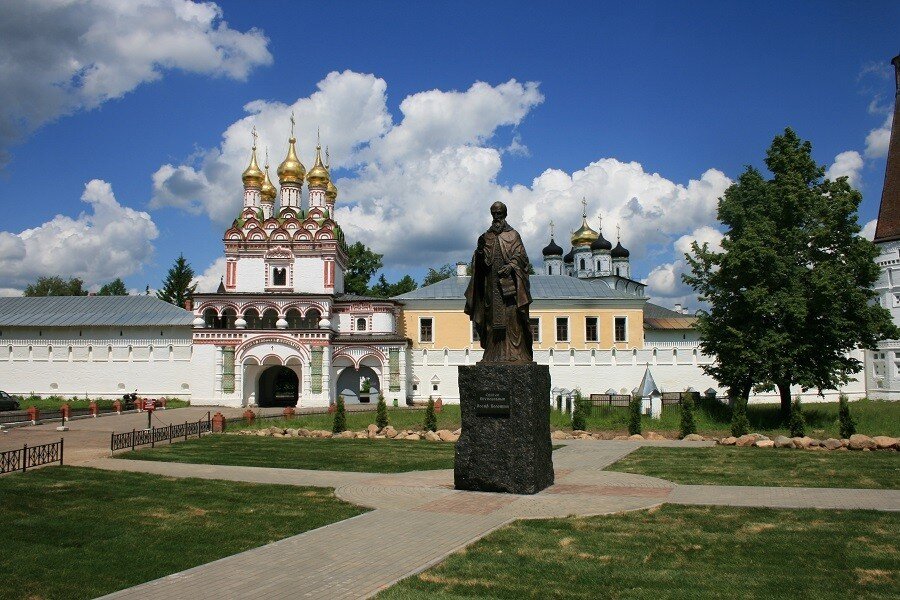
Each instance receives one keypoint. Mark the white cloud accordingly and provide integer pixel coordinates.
(664, 281)
(868, 230)
(208, 281)
(849, 164)
(878, 139)
(111, 241)
(60, 56)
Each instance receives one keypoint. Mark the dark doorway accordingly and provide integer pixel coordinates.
(350, 383)
(278, 386)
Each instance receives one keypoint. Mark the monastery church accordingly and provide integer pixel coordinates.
(281, 330)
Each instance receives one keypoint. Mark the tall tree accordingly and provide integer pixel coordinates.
(441, 273)
(116, 287)
(384, 289)
(177, 286)
(56, 286)
(362, 265)
(790, 293)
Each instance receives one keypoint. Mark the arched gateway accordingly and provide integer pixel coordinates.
(278, 386)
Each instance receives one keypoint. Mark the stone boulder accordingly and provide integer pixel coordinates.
(636, 437)
(884, 442)
(262, 432)
(764, 444)
(372, 430)
(656, 437)
(347, 435)
(389, 432)
(412, 436)
(783, 442)
(446, 435)
(692, 437)
(559, 435)
(862, 442)
(832, 444)
(303, 432)
(746, 440)
(728, 441)
(620, 438)
(362, 435)
(432, 436)
(801, 442)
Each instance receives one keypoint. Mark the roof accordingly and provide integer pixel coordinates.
(74, 311)
(648, 386)
(888, 227)
(357, 298)
(660, 317)
(543, 287)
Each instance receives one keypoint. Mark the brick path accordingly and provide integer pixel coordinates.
(419, 519)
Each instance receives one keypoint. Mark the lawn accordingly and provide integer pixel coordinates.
(366, 456)
(400, 418)
(70, 532)
(726, 465)
(676, 552)
(874, 418)
(55, 402)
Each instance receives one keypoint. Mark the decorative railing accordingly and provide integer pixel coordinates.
(28, 457)
(150, 437)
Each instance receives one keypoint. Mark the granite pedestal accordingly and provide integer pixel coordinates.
(505, 442)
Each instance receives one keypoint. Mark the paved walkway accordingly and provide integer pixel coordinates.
(419, 519)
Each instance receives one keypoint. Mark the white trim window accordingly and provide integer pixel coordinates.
(426, 330)
(535, 324)
(591, 329)
(361, 324)
(562, 329)
(620, 329)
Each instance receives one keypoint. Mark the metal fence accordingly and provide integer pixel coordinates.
(26, 458)
(150, 437)
(21, 416)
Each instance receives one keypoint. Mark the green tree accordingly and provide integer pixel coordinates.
(441, 273)
(845, 420)
(797, 424)
(56, 286)
(381, 415)
(116, 287)
(634, 415)
(177, 286)
(340, 416)
(430, 422)
(688, 423)
(740, 425)
(579, 413)
(404, 285)
(362, 265)
(790, 292)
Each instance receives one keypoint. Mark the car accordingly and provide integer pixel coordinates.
(7, 402)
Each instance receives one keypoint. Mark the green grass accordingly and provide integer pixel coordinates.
(677, 552)
(874, 418)
(364, 456)
(399, 418)
(726, 465)
(55, 402)
(69, 532)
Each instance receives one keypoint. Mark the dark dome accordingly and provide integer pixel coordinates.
(570, 257)
(619, 251)
(552, 249)
(601, 243)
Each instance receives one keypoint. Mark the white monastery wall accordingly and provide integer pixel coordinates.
(251, 274)
(309, 275)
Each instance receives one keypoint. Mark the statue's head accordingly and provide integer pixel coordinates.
(498, 212)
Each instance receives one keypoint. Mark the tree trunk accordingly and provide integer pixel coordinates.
(784, 390)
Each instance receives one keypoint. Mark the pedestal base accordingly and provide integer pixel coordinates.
(505, 442)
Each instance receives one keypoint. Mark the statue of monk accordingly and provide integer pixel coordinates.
(498, 295)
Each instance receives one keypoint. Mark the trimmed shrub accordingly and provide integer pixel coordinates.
(688, 424)
(845, 419)
(430, 423)
(579, 416)
(634, 415)
(740, 425)
(381, 417)
(796, 423)
(340, 416)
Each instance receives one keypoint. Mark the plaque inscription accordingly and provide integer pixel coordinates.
(493, 404)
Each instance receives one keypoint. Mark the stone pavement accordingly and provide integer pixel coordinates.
(419, 519)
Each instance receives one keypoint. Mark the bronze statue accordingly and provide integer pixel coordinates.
(498, 295)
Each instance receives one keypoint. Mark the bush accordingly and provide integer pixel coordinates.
(430, 423)
(579, 416)
(796, 424)
(845, 420)
(740, 425)
(688, 424)
(340, 417)
(634, 416)
(381, 418)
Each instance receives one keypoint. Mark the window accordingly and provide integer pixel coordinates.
(535, 323)
(591, 330)
(583, 267)
(361, 324)
(426, 330)
(621, 329)
(562, 329)
(279, 276)
(269, 319)
(228, 370)
(294, 319)
(475, 337)
(311, 320)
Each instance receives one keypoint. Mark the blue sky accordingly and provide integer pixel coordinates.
(617, 94)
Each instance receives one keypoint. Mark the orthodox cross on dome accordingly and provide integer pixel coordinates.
(327, 158)
(618, 233)
(600, 221)
(551, 229)
(318, 138)
(292, 123)
(255, 135)
(267, 157)
(584, 207)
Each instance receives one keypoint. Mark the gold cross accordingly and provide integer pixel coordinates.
(584, 207)
(254, 134)
(292, 123)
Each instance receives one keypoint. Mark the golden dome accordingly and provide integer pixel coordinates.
(291, 170)
(318, 176)
(252, 176)
(268, 191)
(584, 235)
(331, 192)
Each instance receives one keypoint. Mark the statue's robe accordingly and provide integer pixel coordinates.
(498, 305)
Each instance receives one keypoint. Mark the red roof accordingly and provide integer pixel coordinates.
(888, 228)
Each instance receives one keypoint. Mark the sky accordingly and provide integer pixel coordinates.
(124, 126)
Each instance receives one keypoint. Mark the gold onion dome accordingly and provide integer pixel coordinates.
(331, 191)
(584, 235)
(318, 176)
(268, 191)
(291, 170)
(252, 176)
